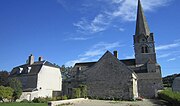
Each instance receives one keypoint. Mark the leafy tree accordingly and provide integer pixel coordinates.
(5, 93)
(168, 80)
(65, 71)
(17, 86)
(4, 78)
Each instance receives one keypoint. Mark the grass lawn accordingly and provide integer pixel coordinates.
(23, 104)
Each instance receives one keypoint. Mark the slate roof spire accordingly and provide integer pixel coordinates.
(141, 23)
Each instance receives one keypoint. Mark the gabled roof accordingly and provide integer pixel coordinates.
(109, 58)
(89, 64)
(32, 69)
(129, 62)
(141, 23)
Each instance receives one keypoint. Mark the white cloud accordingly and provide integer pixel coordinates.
(121, 29)
(167, 54)
(98, 24)
(167, 50)
(94, 53)
(72, 62)
(127, 8)
(100, 48)
(130, 57)
(62, 3)
(163, 55)
(124, 10)
(168, 46)
(78, 38)
(117, 1)
(172, 59)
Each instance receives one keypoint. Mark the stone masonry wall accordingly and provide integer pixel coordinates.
(109, 78)
(149, 84)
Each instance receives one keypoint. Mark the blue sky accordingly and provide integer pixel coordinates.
(69, 31)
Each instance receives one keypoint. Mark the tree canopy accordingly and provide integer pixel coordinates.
(17, 86)
(4, 77)
(65, 71)
(6, 93)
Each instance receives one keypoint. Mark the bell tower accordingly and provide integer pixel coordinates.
(143, 40)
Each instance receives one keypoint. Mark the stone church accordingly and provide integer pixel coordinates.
(110, 77)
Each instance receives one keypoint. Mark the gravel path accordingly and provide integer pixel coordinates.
(145, 102)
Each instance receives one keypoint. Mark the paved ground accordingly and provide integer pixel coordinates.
(145, 102)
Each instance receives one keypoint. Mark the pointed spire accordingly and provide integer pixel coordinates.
(141, 24)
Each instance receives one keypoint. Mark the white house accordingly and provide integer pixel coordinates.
(39, 79)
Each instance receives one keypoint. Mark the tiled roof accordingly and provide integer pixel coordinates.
(89, 64)
(129, 62)
(32, 69)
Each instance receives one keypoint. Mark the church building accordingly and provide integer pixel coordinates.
(110, 77)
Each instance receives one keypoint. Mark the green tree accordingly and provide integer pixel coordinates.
(17, 86)
(4, 78)
(6, 93)
(65, 72)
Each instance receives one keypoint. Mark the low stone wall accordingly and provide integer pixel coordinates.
(55, 103)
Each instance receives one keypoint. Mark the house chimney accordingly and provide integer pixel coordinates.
(31, 59)
(40, 58)
(115, 54)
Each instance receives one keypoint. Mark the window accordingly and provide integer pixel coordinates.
(29, 69)
(144, 49)
(20, 70)
(143, 40)
(69, 91)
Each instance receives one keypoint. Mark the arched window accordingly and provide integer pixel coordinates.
(144, 49)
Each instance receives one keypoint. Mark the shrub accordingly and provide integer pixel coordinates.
(76, 92)
(5, 93)
(53, 99)
(83, 89)
(59, 98)
(40, 100)
(45, 100)
(64, 97)
(172, 97)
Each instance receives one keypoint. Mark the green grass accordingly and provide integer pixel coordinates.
(23, 104)
(170, 96)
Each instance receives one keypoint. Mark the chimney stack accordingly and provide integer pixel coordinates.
(40, 58)
(31, 59)
(115, 54)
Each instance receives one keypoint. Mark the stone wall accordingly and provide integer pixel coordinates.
(149, 84)
(176, 84)
(109, 78)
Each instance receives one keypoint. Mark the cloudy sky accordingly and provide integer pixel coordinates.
(70, 31)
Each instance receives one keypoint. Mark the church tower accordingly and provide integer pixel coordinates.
(147, 68)
(143, 40)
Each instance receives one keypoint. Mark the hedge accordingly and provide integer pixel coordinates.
(172, 97)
